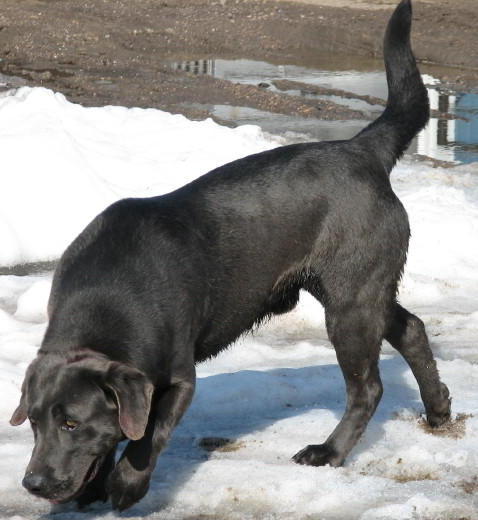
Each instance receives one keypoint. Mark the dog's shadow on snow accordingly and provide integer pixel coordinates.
(234, 405)
(244, 403)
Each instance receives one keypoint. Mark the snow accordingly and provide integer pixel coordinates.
(276, 390)
(69, 162)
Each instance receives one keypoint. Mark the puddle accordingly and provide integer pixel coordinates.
(29, 268)
(452, 140)
(293, 128)
(8, 82)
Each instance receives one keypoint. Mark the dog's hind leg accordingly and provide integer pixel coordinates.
(407, 334)
(356, 332)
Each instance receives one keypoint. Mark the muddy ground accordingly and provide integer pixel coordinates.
(101, 52)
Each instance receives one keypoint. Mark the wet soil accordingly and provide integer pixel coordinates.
(101, 52)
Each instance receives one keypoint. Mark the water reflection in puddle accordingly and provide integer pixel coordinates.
(294, 128)
(453, 140)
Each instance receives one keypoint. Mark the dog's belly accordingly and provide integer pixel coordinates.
(233, 318)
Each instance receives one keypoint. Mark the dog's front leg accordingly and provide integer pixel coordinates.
(96, 489)
(129, 481)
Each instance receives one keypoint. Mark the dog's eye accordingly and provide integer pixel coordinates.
(69, 425)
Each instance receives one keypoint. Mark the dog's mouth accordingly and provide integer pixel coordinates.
(89, 476)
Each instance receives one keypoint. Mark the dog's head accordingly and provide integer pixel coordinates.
(79, 409)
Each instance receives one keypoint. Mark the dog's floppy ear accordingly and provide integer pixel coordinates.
(20, 414)
(133, 394)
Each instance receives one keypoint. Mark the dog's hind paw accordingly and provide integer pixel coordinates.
(317, 455)
(437, 420)
(441, 413)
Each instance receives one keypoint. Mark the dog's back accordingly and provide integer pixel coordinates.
(241, 241)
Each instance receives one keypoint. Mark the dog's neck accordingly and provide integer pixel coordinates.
(73, 355)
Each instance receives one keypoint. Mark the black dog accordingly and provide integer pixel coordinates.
(153, 286)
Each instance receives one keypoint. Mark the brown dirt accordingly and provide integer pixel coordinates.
(403, 478)
(114, 51)
(221, 444)
(455, 428)
(470, 487)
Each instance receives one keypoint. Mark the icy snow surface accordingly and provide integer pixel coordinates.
(275, 391)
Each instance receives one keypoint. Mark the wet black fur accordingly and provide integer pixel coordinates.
(162, 283)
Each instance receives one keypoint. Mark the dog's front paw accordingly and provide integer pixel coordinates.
(127, 485)
(94, 492)
(96, 489)
(317, 455)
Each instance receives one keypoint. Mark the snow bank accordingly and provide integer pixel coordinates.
(275, 391)
(65, 163)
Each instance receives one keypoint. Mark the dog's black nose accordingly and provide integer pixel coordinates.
(35, 483)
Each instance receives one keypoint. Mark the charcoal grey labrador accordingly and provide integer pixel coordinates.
(153, 286)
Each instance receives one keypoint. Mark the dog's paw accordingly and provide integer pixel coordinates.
(96, 489)
(317, 455)
(126, 485)
(441, 413)
(92, 493)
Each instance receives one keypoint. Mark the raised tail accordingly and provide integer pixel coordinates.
(407, 110)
